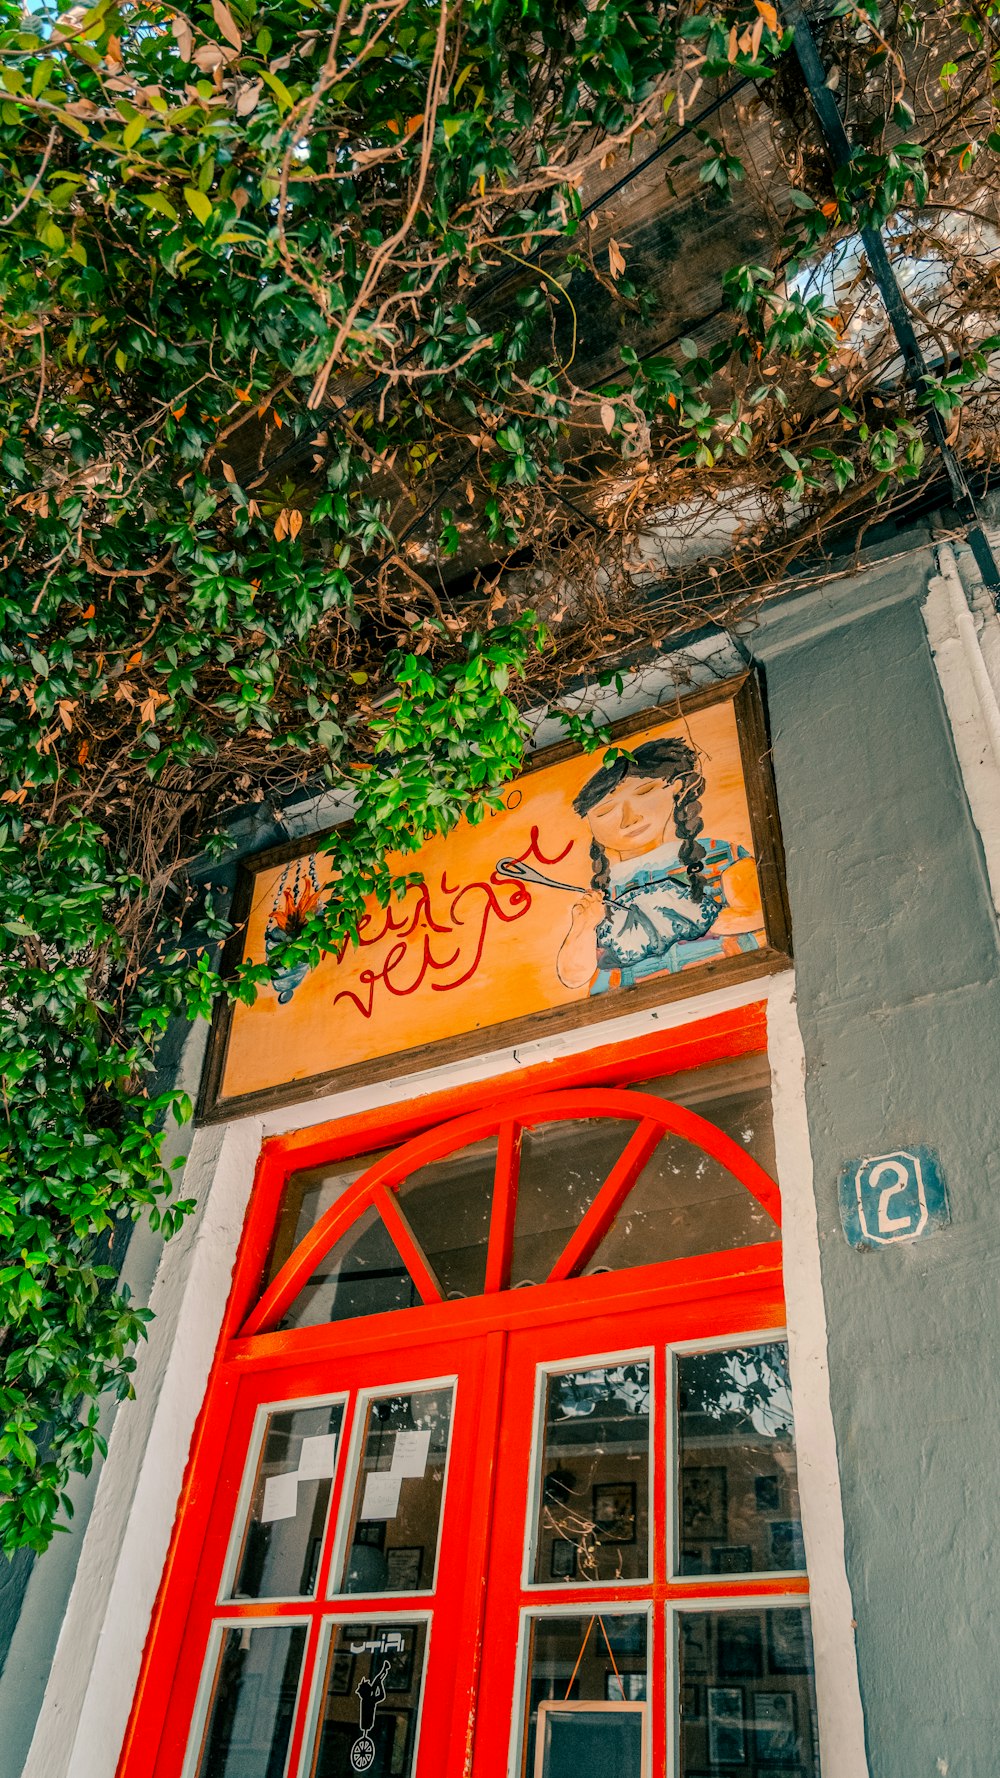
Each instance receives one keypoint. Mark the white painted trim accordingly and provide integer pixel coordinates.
(970, 699)
(576, 1042)
(89, 1694)
(838, 1695)
(85, 1710)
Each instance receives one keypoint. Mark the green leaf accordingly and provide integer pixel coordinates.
(198, 203)
(278, 88)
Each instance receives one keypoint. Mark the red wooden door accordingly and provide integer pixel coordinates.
(458, 1379)
(556, 1545)
(410, 1534)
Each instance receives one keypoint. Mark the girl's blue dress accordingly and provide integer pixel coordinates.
(652, 925)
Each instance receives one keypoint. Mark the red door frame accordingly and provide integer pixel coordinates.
(241, 1356)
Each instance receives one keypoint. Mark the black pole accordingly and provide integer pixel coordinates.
(838, 145)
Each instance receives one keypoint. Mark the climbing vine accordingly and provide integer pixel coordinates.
(302, 435)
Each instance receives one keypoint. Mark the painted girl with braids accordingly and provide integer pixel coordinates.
(661, 897)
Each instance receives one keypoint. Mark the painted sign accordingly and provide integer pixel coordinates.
(894, 1197)
(601, 883)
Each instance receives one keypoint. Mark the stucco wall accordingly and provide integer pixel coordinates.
(898, 991)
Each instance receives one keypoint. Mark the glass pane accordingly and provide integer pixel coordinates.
(308, 1196)
(396, 1515)
(747, 1699)
(585, 1702)
(735, 1095)
(684, 1202)
(563, 1167)
(279, 1556)
(447, 1205)
(362, 1275)
(738, 1482)
(368, 1717)
(253, 1702)
(593, 1498)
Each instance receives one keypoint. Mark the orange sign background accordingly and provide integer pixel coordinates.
(467, 950)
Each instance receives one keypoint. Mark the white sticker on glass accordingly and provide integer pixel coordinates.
(381, 1499)
(318, 1457)
(281, 1497)
(409, 1455)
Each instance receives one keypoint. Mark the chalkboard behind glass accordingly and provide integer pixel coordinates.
(581, 1738)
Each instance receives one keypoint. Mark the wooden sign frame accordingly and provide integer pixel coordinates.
(768, 855)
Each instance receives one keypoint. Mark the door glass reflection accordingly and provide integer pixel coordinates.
(362, 1274)
(306, 1197)
(370, 1697)
(738, 1507)
(563, 1166)
(593, 1492)
(585, 1699)
(396, 1515)
(253, 1702)
(447, 1205)
(684, 1202)
(279, 1556)
(747, 1700)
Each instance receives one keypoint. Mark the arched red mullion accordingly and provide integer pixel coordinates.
(504, 1209)
(594, 1224)
(410, 1251)
(670, 1119)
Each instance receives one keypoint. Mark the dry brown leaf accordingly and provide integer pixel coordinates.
(616, 258)
(607, 416)
(247, 101)
(294, 523)
(764, 7)
(281, 525)
(210, 57)
(184, 38)
(66, 706)
(229, 472)
(227, 24)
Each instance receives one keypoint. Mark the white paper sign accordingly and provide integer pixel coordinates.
(409, 1456)
(281, 1497)
(318, 1456)
(381, 1499)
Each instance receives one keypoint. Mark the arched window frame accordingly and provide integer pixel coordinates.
(378, 1188)
(623, 1065)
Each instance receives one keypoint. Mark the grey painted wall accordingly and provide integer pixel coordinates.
(898, 984)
